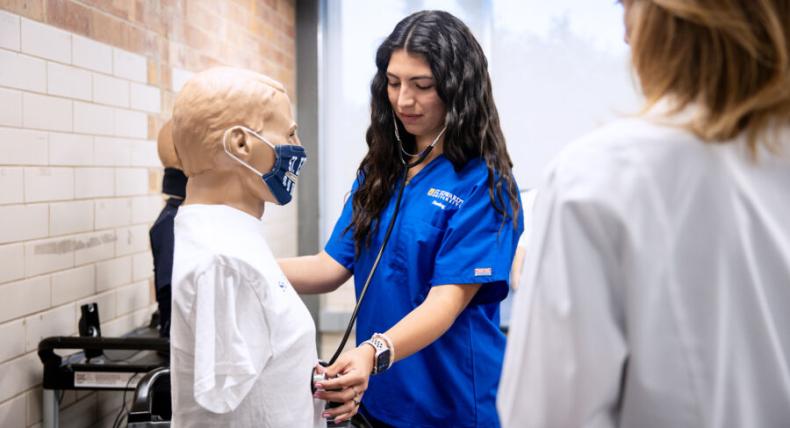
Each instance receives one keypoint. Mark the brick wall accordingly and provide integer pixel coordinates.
(85, 86)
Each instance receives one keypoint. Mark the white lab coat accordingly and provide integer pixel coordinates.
(242, 342)
(656, 290)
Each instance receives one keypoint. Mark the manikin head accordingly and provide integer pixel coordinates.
(222, 121)
(174, 182)
(165, 147)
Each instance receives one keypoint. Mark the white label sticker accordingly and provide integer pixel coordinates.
(105, 380)
(483, 271)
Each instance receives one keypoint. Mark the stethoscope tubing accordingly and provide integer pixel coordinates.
(406, 167)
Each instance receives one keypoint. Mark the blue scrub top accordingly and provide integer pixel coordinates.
(447, 232)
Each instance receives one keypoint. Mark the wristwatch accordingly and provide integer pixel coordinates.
(383, 358)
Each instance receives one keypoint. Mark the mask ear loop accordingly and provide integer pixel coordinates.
(225, 146)
(259, 136)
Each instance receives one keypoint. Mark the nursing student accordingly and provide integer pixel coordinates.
(429, 346)
(657, 283)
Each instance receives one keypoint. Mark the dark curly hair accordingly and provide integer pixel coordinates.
(460, 70)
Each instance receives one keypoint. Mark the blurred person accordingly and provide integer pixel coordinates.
(174, 185)
(659, 264)
(506, 307)
(528, 199)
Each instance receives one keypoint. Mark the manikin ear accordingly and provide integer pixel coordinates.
(239, 144)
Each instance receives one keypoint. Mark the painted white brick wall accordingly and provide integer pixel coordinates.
(94, 182)
(19, 374)
(146, 98)
(142, 266)
(129, 66)
(45, 112)
(113, 273)
(10, 107)
(9, 31)
(110, 90)
(13, 334)
(49, 184)
(45, 41)
(12, 185)
(144, 154)
(145, 209)
(179, 77)
(132, 240)
(112, 213)
(131, 181)
(131, 124)
(70, 149)
(87, 53)
(13, 266)
(24, 297)
(70, 217)
(67, 81)
(22, 71)
(48, 255)
(133, 297)
(23, 222)
(73, 284)
(92, 247)
(94, 119)
(23, 146)
(13, 414)
(112, 151)
(56, 322)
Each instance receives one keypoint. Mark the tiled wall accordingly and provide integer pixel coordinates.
(84, 88)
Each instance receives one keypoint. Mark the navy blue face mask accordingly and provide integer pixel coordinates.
(288, 161)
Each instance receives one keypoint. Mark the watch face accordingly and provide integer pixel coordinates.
(383, 361)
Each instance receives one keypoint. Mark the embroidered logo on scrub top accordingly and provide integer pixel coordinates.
(483, 271)
(282, 285)
(444, 196)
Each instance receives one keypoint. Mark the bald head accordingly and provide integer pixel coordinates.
(165, 147)
(217, 99)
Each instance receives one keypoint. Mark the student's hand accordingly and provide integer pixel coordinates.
(349, 375)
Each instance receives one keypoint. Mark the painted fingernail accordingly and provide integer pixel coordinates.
(326, 415)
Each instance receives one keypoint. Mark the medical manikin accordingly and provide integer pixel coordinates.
(242, 340)
(174, 184)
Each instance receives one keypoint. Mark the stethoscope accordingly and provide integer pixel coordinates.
(406, 167)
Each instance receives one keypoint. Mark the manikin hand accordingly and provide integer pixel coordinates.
(349, 375)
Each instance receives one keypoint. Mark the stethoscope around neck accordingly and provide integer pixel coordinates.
(421, 156)
(406, 167)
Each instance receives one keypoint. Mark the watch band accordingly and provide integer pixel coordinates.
(383, 358)
(389, 344)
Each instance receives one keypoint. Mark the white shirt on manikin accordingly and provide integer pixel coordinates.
(656, 290)
(242, 342)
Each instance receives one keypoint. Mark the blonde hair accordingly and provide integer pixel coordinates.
(728, 57)
(211, 102)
